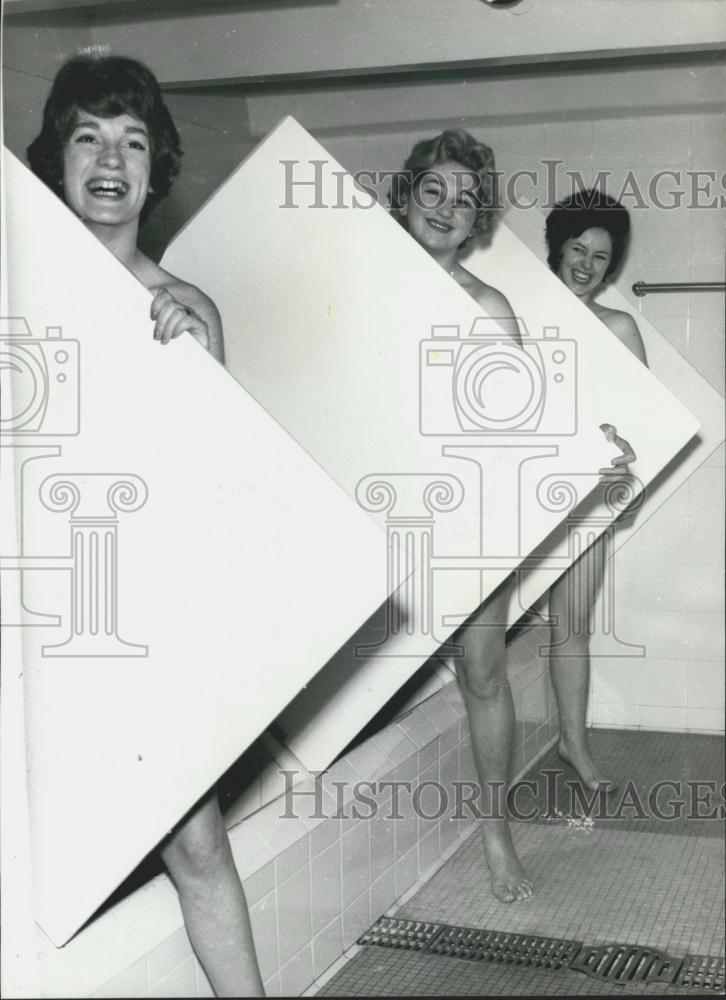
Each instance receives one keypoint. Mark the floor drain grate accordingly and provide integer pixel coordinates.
(703, 973)
(389, 932)
(500, 946)
(620, 964)
(625, 964)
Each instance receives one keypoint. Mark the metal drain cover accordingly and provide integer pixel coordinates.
(471, 942)
(625, 963)
(621, 964)
(499, 946)
(703, 973)
(389, 932)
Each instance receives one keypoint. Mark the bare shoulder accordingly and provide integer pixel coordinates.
(625, 329)
(495, 304)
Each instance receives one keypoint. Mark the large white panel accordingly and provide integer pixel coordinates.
(329, 308)
(187, 567)
(501, 264)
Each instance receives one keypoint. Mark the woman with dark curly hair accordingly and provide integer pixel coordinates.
(587, 236)
(109, 149)
(446, 198)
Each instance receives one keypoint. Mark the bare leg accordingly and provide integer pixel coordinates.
(199, 858)
(571, 601)
(488, 698)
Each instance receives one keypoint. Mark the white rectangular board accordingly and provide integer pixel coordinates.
(515, 251)
(330, 309)
(186, 566)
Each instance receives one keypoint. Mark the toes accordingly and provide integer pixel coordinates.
(525, 889)
(504, 892)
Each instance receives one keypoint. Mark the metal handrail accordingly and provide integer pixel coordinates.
(642, 287)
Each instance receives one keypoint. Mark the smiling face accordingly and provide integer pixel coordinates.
(442, 208)
(106, 169)
(584, 262)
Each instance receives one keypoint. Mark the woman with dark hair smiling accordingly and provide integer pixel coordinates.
(587, 236)
(109, 149)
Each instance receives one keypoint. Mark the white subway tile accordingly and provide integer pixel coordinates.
(180, 982)
(706, 540)
(666, 719)
(132, 982)
(260, 883)
(323, 835)
(355, 860)
(706, 342)
(406, 871)
(667, 138)
(382, 845)
(249, 852)
(169, 954)
(292, 859)
(294, 928)
(526, 138)
(705, 720)
(356, 919)
(428, 849)
(569, 140)
(715, 376)
(614, 716)
(717, 458)
(615, 680)
(662, 683)
(708, 142)
(705, 636)
(263, 917)
(617, 139)
(705, 684)
(327, 946)
(326, 887)
(297, 974)
(152, 913)
(383, 892)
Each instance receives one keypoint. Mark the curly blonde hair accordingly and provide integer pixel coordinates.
(458, 146)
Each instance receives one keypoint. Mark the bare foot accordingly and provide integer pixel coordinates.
(510, 882)
(583, 763)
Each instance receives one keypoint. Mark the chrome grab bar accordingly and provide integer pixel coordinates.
(642, 287)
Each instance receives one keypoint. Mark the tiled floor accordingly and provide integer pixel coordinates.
(628, 875)
(597, 886)
(664, 782)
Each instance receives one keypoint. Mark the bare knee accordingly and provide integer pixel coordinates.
(199, 848)
(483, 680)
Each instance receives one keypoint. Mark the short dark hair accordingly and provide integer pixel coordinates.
(587, 209)
(460, 147)
(106, 86)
